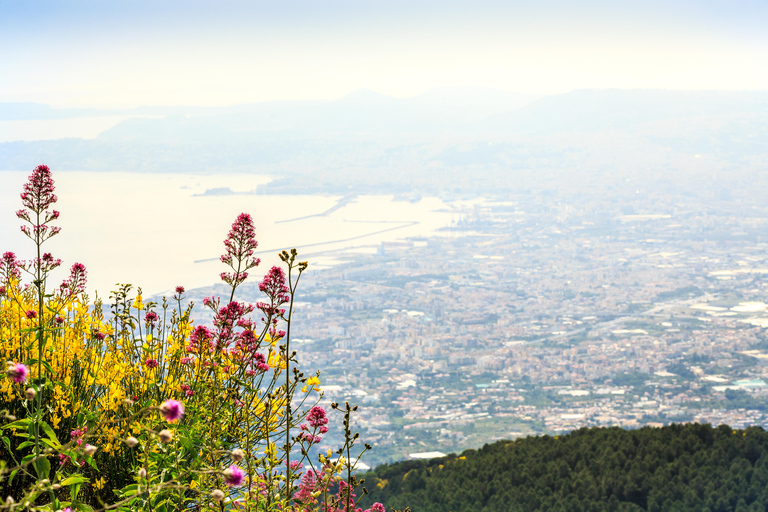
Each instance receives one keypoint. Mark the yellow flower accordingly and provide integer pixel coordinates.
(138, 304)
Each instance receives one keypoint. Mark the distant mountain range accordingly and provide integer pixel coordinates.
(424, 143)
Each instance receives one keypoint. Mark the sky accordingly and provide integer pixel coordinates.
(126, 53)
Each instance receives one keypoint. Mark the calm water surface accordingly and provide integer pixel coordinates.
(161, 230)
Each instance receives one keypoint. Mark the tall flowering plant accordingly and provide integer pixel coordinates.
(141, 409)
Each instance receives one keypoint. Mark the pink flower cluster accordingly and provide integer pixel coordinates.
(38, 191)
(10, 267)
(78, 277)
(275, 287)
(240, 245)
(317, 421)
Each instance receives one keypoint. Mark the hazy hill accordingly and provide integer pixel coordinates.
(459, 140)
(678, 468)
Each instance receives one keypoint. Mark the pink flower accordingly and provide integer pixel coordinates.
(38, 191)
(78, 276)
(201, 339)
(317, 417)
(151, 363)
(172, 410)
(233, 476)
(185, 360)
(240, 244)
(31, 314)
(18, 372)
(9, 266)
(377, 507)
(151, 318)
(180, 290)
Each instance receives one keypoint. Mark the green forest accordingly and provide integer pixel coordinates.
(692, 467)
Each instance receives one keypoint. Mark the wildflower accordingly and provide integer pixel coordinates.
(233, 476)
(31, 314)
(240, 244)
(165, 435)
(90, 450)
(217, 495)
(296, 465)
(237, 454)
(59, 320)
(99, 335)
(17, 372)
(180, 290)
(317, 417)
(172, 410)
(151, 363)
(77, 280)
(185, 360)
(38, 191)
(377, 507)
(9, 266)
(142, 473)
(151, 318)
(30, 394)
(131, 442)
(200, 339)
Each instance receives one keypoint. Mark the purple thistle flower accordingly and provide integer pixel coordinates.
(18, 372)
(172, 410)
(233, 476)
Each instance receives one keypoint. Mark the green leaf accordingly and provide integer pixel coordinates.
(43, 467)
(48, 431)
(7, 442)
(20, 424)
(82, 506)
(75, 479)
(25, 444)
(13, 474)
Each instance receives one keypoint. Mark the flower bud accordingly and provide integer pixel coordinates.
(131, 441)
(237, 454)
(30, 394)
(217, 495)
(90, 450)
(165, 435)
(142, 473)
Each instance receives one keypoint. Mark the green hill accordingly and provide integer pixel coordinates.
(678, 468)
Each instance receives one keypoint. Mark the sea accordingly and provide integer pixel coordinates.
(159, 231)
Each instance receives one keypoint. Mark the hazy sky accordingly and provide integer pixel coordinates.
(204, 52)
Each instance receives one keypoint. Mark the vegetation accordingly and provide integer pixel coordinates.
(677, 468)
(141, 409)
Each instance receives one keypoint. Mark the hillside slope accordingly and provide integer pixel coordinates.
(676, 468)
